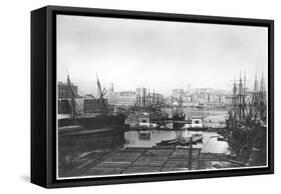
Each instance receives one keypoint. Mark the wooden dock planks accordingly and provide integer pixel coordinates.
(155, 159)
(150, 161)
(179, 160)
(213, 157)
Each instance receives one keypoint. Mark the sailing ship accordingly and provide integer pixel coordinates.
(100, 119)
(247, 122)
(179, 115)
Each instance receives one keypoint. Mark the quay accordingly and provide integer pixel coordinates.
(144, 160)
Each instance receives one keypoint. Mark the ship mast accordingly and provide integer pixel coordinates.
(180, 111)
(233, 111)
(262, 100)
(73, 113)
(102, 92)
(153, 98)
(244, 100)
(255, 98)
(240, 96)
(234, 97)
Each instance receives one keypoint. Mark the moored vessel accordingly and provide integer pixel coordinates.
(98, 120)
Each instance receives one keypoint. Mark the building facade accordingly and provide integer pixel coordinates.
(92, 105)
(124, 98)
(64, 92)
(200, 96)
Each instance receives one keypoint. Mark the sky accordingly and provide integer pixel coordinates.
(159, 55)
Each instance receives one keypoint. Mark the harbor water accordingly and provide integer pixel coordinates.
(209, 144)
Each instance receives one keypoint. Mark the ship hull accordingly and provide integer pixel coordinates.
(96, 122)
(86, 134)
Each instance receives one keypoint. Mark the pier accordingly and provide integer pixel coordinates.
(144, 160)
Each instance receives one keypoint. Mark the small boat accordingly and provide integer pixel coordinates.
(185, 141)
(196, 137)
(221, 138)
(168, 142)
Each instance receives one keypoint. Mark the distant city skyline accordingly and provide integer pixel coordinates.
(151, 91)
(158, 55)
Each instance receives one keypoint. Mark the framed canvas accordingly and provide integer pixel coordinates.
(128, 96)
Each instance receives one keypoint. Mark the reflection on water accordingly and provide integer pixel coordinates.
(209, 144)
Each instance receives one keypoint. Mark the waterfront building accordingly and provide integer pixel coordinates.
(64, 105)
(196, 121)
(64, 97)
(122, 99)
(201, 96)
(64, 92)
(91, 105)
(85, 104)
(141, 97)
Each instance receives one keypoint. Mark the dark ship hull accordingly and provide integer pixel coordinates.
(94, 125)
(87, 133)
(94, 122)
(178, 117)
(95, 135)
(88, 129)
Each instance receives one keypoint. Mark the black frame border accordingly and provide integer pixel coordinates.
(43, 75)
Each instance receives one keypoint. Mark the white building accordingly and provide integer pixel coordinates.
(124, 98)
(196, 122)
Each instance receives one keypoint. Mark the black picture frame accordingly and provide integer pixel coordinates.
(43, 95)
